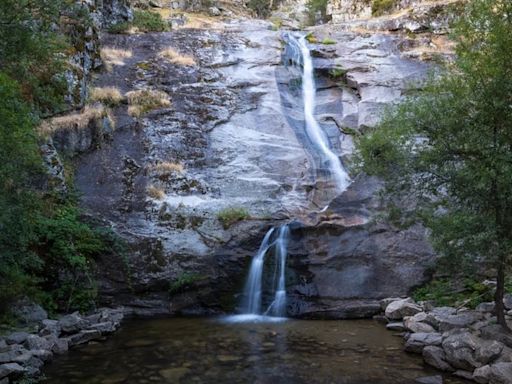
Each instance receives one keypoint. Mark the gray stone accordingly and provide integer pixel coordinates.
(507, 301)
(105, 327)
(72, 323)
(435, 315)
(495, 332)
(16, 337)
(485, 307)
(488, 351)
(14, 351)
(60, 346)
(388, 300)
(460, 350)
(42, 354)
(83, 337)
(417, 341)
(3, 346)
(482, 375)
(37, 342)
(436, 357)
(438, 379)
(396, 326)
(417, 326)
(397, 310)
(50, 327)
(29, 313)
(11, 369)
(463, 374)
(501, 373)
(214, 11)
(460, 320)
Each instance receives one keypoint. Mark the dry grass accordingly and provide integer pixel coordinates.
(166, 167)
(79, 120)
(145, 100)
(173, 56)
(114, 56)
(155, 192)
(107, 95)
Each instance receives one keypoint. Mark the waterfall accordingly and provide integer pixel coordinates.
(254, 286)
(313, 129)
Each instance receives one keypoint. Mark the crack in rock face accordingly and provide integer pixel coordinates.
(193, 186)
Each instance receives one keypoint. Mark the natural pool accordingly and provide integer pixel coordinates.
(213, 350)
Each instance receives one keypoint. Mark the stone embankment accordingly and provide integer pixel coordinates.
(23, 354)
(466, 343)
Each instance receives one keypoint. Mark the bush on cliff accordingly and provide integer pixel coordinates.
(447, 152)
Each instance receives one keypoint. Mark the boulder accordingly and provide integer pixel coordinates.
(11, 369)
(462, 319)
(11, 353)
(507, 301)
(417, 341)
(399, 309)
(72, 323)
(105, 327)
(83, 337)
(501, 373)
(416, 326)
(495, 332)
(50, 327)
(214, 11)
(488, 351)
(17, 338)
(60, 346)
(438, 379)
(385, 302)
(3, 346)
(463, 374)
(42, 354)
(485, 307)
(435, 315)
(29, 313)
(37, 342)
(460, 350)
(436, 357)
(482, 375)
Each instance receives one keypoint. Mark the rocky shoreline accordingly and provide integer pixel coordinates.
(466, 343)
(24, 353)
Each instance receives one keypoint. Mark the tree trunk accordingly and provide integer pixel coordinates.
(498, 296)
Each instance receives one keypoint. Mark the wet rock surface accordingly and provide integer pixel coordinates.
(235, 126)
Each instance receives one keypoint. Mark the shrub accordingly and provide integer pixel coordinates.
(167, 167)
(311, 38)
(315, 6)
(230, 216)
(107, 95)
(143, 21)
(328, 41)
(380, 7)
(183, 282)
(177, 58)
(155, 192)
(145, 100)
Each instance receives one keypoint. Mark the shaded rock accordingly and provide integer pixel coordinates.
(50, 327)
(381, 319)
(174, 375)
(60, 346)
(460, 350)
(507, 301)
(36, 342)
(482, 375)
(397, 310)
(485, 307)
(463, 374)
(83, 337)
(105, 327)
(417, 341)
(438, 379)
(11, 369)
(3, 346)
(29, 313)
(488, 351)
(72, 323)
(460, 320)
(435, 315)
(436, 357)
(501, 373)
(16, 337)
(42, 354)
(495, 332)
(12, 353)
(396, 326)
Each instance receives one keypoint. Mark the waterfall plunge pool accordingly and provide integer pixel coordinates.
(213, 350)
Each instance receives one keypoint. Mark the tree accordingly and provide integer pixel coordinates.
(449, 148)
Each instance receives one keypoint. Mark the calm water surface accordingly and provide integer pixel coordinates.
(183, 350)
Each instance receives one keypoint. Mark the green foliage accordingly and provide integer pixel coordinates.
(328, 41)
(337, 73)
(262, 8)
(183, 282)
(143, 21)
(449, 292)
(311, 38)
(230, 216)
(315, 6)
(446, 152)
(380, 7)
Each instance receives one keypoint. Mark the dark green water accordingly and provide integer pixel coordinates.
(197, 350)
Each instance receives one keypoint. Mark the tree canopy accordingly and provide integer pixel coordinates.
(448, 150)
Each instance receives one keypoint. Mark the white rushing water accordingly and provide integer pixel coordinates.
(253, 297)
(313, 129)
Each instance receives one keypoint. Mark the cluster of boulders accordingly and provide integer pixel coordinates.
(467, 343)
(22, 354)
